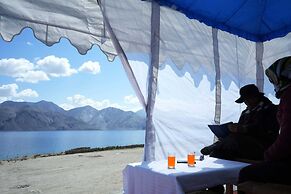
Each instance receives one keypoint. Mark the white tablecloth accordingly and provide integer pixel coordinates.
(156, 178)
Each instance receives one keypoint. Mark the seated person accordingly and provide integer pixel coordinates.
(276, 166)
(255, 131)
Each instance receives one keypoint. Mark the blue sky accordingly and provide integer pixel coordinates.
(32, 71)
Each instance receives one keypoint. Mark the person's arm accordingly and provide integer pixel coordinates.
(240, 126)
(281, 148)
(233, 127)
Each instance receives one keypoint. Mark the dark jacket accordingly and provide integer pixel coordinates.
(281, 149)
(260, 122)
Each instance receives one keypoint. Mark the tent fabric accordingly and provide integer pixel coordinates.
(199, 67)
(81, 22)
(124, 60)
(255, 20)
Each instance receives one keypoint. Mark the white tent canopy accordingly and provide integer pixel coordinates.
(185, 74)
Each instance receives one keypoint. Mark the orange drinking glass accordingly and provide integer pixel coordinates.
(191, 159)
(171, 161)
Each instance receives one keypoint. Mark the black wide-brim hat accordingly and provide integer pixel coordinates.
(250, 90)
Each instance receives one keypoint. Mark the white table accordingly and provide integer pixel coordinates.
(156, 178)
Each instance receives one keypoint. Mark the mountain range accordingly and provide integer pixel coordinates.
(43, 115)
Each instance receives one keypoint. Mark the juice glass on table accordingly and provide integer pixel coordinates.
(171, 161)
(191, 159)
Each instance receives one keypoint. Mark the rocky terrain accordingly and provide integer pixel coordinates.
(45, 115)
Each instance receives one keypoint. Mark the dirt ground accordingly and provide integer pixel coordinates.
(94, 172)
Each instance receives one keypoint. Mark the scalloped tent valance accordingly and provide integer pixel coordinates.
(81, 22)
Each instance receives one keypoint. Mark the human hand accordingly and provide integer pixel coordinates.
(233, 127)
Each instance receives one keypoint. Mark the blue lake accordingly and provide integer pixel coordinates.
(16, 144)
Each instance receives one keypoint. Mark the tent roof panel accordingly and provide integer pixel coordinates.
(255, 20)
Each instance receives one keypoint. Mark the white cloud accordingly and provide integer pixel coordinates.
(66, 106)
(79, 100)
(130, 103)
(29, 43)
(2, 99)
(130, 99)
(55, 66)
(18, 100)
(9, 92)
(90, 67)
(21, 69)
(15, 67)
(27, 93)
(33, 77)
(36, 59)
(25, 71)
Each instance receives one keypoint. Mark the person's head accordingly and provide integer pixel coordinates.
(279, 74)
(250, 95)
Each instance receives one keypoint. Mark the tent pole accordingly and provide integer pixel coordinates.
(217, 115)
(259, 66)
(149, 148)
(217, 76)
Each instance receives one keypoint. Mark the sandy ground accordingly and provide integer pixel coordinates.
(94, 172)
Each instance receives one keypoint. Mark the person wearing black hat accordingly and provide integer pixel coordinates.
(255, 131)
(250, 90)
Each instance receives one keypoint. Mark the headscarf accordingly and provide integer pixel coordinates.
(279, 74)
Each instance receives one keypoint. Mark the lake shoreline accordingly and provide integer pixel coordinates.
(27, 144)
(74, 151)
(120, 129)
